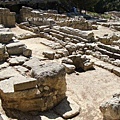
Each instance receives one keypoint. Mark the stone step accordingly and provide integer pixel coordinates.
(109, 48)
(69, 36)
(110, 54)
(109, 67)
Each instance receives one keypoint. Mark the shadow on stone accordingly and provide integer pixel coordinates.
(80, 70)
(19, 115)
(67, 109)
(16, 114)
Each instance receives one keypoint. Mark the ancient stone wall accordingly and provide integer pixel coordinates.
(7, 18)
(45, 17)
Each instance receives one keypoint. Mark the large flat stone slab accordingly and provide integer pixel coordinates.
(17, 83)
(17, 60)
(8, 73)
(23, 83)
(33, 62)
(4, 65)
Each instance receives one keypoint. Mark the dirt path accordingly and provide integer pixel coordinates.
(36, 47)
(91, 87)
(104, 30)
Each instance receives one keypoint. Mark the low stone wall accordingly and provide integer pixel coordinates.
(45, 18)
(39, 17)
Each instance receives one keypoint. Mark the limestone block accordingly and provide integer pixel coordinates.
(27, 52)
(49, 54)
(62, 52)
(69, 68)
(33, 62)
(6, 37)
(15, 48)
(17, 60)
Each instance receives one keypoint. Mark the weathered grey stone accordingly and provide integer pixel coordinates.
(116, 71)
(116, 62)
(21, 69)
(44, 28)
(17, 60)
(57, 56)
(4, 65)
(27, 52)
(67, 109)
(67, 61)
(27, 36)
(17, 83)
(6, 37)
(33, 62)
(8, 73)
(15, 48)
(111, 109)
(57, 35)
(104, 58)
(62, 52)
(51, 75)
(23, 83)
(81, 62)
(49, 54)
(88, 66)
(71, 47)
(69, 68)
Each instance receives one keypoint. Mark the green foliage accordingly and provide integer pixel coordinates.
(107, 5)
(81, 4)
(98, 15)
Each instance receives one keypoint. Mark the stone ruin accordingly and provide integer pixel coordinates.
(35, 85)
(73, 45)
(7, 18)
(39, 18)
(26, 83)
(68, 40)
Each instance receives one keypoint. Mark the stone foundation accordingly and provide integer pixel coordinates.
(40, 93)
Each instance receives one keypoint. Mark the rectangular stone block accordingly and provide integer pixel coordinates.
(116, 71)
(15, 48)
(24, 83)
(6, 37)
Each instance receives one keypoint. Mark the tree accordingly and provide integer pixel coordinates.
(81, 4)
(107, 5)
